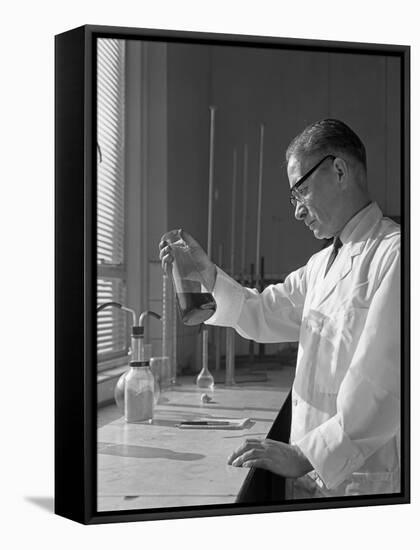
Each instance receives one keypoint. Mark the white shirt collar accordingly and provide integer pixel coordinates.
(360, 223)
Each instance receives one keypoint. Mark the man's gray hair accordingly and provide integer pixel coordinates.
(328, 136)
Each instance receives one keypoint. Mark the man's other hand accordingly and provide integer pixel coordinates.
(275, 456)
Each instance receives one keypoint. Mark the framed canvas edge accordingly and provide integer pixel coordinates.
(70, 425)
(241, 40)
(75, 421)
(406, 262)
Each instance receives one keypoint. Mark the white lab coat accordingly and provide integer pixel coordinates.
(346, 392)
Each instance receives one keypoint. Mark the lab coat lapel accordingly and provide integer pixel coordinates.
(354, 239)
(339, 270)
(354, 242)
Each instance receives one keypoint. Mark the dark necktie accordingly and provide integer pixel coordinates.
(337, 244)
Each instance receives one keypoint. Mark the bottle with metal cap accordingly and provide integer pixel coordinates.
(139, 386)
(136, 390)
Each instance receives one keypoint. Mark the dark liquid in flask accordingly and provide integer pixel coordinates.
(195, 307)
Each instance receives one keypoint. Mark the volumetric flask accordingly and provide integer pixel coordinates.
(195, 303)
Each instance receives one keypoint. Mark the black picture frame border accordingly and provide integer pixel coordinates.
(75, 271)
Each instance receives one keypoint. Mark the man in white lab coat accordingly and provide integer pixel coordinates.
(343, 307)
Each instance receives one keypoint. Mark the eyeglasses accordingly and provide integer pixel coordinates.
(295, 195)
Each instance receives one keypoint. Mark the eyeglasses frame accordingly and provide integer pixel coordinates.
(294, 197)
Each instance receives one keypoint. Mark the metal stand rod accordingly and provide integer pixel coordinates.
(233, 218)
(205, 342)
(211, 178)
(251, 342)
(205, 350)
(217, 330)
(261, 347)
(244, 207)
(174, 339)
(230, 357)
(230, 333)
(259, 207)
(167, 321)
(216, 333)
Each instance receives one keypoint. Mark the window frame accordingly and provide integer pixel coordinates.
(114, 271)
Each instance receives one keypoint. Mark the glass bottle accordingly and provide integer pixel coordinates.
(195, 303)
(139, 393)
(120, 385)
(140, 354)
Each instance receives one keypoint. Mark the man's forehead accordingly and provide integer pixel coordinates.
(293, 163)
(296, 167)
(300, 162)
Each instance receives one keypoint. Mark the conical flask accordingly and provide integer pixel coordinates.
(195, 303)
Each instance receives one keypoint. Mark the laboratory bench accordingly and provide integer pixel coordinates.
(159, 464)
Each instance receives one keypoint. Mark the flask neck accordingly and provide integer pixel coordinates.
(139, 364)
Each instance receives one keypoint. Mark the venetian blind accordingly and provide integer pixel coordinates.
(112, 322)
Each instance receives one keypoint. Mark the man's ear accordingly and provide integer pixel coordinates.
(341, 170)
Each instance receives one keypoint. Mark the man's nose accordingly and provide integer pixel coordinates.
(300, 211)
